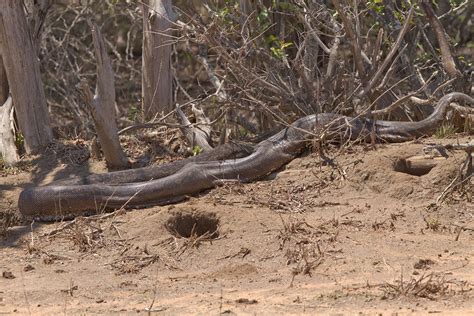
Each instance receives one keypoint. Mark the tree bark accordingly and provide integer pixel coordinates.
(157, 82)
(4, 89)
(22, 69)
(103, 105)
(8, 149)
(246, 6)
(37, 11)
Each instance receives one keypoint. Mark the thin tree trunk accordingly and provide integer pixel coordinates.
(156, 68)
(103, 105)
(351, 34)
(22, 69)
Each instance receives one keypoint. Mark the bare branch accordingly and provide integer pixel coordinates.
(389, 57)
(446, 56)
(103, 104)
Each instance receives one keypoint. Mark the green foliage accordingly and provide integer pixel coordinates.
(277, 46)
(133, 113)
(375, 5)
(263, 19)
(467, 62)
(19, 140)
(423, 57)
(445, 130)
(286, 6)
(455, 3)
(196, 150)
(400, 17)
(278, 49)
(223, 13)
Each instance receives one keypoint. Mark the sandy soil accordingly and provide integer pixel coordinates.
(305, 240)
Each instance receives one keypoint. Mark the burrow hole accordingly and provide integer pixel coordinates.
(413, 168)
(196, 224)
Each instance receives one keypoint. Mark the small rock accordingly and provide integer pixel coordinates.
(423, 264)
(28, 268)
(48, 260)
(7, 275)
(246, 301)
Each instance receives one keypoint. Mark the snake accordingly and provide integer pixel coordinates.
(162, 184)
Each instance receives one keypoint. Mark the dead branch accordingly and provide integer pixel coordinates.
(195, 135)
(356, 49)
(446, 56)
(389, 57)
(102, 105)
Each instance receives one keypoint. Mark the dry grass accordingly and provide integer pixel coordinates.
(430, 286)
(305, 246)
(85, 235)
(134, 263)
(8, 218)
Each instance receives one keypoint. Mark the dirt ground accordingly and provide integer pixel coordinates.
(309, 239)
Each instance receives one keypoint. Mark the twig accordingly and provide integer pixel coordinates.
(356, 49)
(366, 89)
(468, 148)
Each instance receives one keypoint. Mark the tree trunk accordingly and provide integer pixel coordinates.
(22, 69)
(103, 105)
(157, 82)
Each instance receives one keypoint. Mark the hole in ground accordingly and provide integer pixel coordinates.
(415, 166)
(186, 225)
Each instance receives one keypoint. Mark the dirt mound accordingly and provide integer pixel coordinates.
(383, 172)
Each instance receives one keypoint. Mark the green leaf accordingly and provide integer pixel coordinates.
(196, 150)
